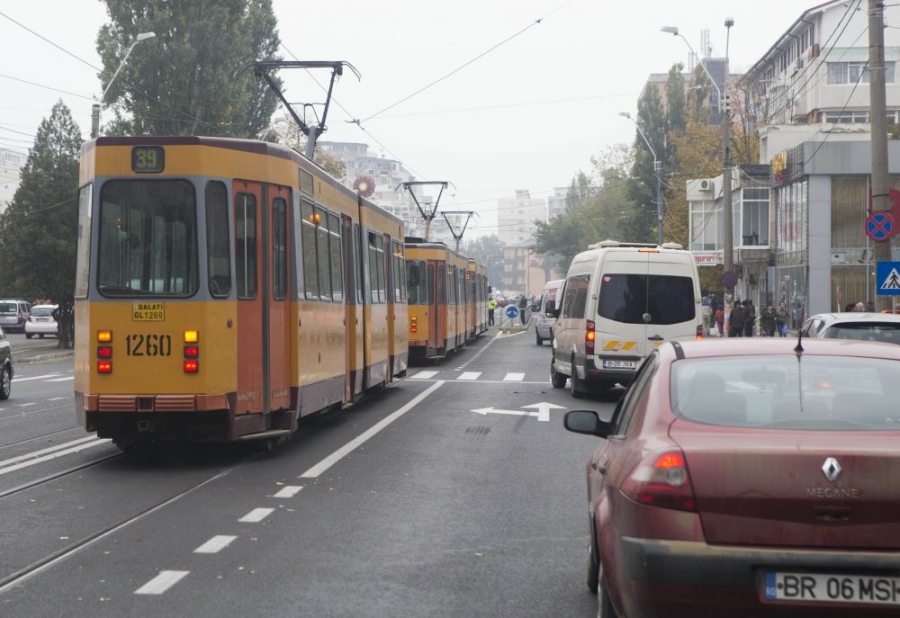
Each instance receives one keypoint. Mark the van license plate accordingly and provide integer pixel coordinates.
(619, 364)
(832, 588)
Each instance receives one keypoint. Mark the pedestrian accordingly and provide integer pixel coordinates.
(736, 320)
(781, 320)
(720, 320)
(749, 318)
(849, 307)
(767, 320)
(523, 305)
(492, 305)
(859, 308)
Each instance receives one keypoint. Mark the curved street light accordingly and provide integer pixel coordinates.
(95, 109)
(674, 30)
(657, 169)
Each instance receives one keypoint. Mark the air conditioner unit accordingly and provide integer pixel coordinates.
(706, 185)
(799, 64)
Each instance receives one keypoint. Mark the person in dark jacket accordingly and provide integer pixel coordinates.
(736, 320)
(767, 320)
(523, 305)
(749, 318)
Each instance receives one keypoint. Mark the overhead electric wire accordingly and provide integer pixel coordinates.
(2, 14)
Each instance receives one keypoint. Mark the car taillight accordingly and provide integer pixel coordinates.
(589, 337)
(662, 480)
(28, 319)
(699, 332)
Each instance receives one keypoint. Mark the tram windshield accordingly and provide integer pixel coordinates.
(148, 238)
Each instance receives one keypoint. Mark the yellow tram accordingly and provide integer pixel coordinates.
(447, 299)
(225, 288)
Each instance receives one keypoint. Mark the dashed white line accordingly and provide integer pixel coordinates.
(469, 375)
(514, 377)
(162, 582)
(255, 516)
(215, 544)
(288, 491)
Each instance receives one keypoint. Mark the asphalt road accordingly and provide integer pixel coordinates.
(455, 493)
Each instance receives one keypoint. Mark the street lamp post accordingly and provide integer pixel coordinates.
(657, 170)
(95, 108)
(725, 113)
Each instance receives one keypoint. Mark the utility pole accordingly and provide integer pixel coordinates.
(728, 232)
(881, 200)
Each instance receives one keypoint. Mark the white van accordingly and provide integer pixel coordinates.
(619, 302)
(543, 322)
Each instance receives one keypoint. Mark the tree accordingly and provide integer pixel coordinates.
(285, 131)
(487, 251)
(651, 118)
(38, 230)
(196, 76)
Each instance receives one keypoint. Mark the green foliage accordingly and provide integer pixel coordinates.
(38, 230)
(487, 251)
(196, 76)
(651, 119)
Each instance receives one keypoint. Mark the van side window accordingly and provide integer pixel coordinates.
(575, 297)
(666, 299)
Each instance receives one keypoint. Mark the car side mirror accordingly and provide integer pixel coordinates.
(586, 422)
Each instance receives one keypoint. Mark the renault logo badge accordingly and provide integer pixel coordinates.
(832, 469)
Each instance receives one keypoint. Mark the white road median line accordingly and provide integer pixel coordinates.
(62, 379)
(32, 462)
(44, 451)
(49, 375)
(318, 469)
(215, 544)
(255, 516)
(162, 582)
(289, 491)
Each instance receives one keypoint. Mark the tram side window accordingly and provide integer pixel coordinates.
(417, 281)
(310, 261)
(148, 238)
(245, 244)
(337, 263)
(322, 254)
(376, 268)
(400, 294)
(218, 242)
(279, 249)
(83, 257)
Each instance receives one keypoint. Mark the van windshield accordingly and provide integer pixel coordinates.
(666, 299)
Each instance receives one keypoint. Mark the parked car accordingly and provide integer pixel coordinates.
(749, 477)
(6, 366)
(13, 314)
(854, 325)
(42, 321)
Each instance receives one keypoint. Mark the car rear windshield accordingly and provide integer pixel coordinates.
(647, 299)
(8, 308)
(41, 311)
(888, 332)
(827, 393)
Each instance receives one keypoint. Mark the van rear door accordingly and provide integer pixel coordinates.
(645, 298)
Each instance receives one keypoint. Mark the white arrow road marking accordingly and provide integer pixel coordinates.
(162, 582)
(492, 410)
(543, 409)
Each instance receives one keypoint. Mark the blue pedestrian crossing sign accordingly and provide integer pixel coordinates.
(887, 278)
(512, 311)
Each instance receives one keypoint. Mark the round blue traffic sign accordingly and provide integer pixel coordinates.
(512, 311)
(729, 280)
(879, 225)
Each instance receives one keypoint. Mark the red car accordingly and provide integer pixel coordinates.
(749, 477)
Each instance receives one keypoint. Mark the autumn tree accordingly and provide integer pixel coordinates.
(196, 76)
(38, 230)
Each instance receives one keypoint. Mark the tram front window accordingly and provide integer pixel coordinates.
(148, 238)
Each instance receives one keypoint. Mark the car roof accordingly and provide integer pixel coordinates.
(761, 346)
(855, 316)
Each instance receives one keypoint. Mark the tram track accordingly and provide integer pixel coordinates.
(7, 582)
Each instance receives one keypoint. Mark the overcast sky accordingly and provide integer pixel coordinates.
(518, 94)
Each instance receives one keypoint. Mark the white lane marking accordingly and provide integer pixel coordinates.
(58, 398)
(469, 375)
(49, 375)
(514, 377)
(215, 544)
(26, 464)
(256, 516)
(423, 375)
(162, 582)
(62, 379)
(25, 405)
(318, 469)
(289, 491)
(92, 439)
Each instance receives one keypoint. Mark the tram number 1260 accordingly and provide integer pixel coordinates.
(148, 345)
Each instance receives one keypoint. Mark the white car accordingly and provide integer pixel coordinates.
(41, 321)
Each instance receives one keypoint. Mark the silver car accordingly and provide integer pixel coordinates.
(883, 327)
(14, 314)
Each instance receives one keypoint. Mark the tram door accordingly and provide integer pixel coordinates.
(438, 327)
(263, 306)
